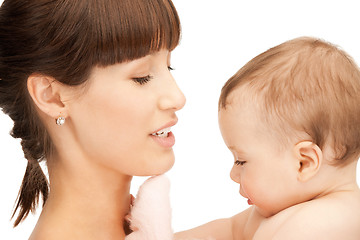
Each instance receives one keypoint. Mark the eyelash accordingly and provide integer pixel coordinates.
(241, 163)
(143, 80)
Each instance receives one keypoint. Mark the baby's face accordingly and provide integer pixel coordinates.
(266, 174)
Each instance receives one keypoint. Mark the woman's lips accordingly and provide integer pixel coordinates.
(163, 136)
(165, 127)
(162, 133)
(165, 141)
(249, 202)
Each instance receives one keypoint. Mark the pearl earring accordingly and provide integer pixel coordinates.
(60, 121)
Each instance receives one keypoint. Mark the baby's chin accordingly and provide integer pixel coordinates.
(270, 211)
(267, 212)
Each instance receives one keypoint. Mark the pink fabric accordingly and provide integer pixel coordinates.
(151, 212)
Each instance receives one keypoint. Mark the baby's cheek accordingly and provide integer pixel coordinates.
(248, 188)
(254, 191)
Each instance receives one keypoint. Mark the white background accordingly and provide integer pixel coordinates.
(218, 38)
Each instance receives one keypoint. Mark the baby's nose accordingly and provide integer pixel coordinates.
(235, 174)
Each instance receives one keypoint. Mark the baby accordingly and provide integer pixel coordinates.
(291, 118)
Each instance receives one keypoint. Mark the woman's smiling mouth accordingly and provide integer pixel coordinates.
(163, 133)
(164, 137)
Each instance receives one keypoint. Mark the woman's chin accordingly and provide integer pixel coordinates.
(158, 167)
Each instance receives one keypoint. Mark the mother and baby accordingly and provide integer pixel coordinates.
(83, 82)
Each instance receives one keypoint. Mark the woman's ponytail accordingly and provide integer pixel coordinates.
(34, 183)
(17, 62)
(35, 142)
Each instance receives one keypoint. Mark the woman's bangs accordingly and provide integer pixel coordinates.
(131, 29)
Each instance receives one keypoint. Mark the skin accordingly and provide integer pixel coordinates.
(294, 191)
(105, 141)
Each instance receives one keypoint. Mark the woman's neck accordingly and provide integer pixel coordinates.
(89, 203)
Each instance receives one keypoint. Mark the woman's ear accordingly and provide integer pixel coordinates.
(46, 94)
(309, 159)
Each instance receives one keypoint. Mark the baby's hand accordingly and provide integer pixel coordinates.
(150, 217)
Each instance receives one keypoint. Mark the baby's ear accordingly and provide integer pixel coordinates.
(309, 159)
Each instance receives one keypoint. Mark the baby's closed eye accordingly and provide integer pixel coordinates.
(238, 162)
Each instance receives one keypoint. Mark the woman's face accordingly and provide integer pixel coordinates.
(118, 121)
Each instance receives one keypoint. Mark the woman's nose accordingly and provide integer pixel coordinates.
(171, 97)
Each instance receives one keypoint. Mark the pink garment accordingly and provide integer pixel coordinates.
(151, 212)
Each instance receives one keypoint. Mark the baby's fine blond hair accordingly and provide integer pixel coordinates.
(304, 85)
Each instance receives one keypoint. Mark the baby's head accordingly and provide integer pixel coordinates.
(304, 87)
(299, 100)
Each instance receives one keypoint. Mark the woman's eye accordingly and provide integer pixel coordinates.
(241, 163)
(170, 68)
(142, 80)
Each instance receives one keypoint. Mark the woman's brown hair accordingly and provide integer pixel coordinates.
(65, 39)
